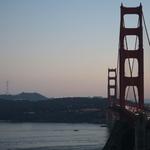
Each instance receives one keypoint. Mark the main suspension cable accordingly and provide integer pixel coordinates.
(146, 29)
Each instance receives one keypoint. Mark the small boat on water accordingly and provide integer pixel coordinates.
(103, 125)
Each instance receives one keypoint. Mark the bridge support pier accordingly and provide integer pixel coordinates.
(140, 132)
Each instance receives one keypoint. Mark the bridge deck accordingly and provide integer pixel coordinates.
(126, 128)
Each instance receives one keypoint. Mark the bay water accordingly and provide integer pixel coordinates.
(52, 136)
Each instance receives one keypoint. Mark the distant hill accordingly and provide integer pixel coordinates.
(58, 110)
(24, 96)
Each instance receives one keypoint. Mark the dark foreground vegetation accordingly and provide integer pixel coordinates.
(60, 110)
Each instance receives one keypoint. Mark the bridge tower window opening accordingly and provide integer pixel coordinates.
(130, 95)
(111, 82)
(131, 21)
(131, 42)
(131, 67)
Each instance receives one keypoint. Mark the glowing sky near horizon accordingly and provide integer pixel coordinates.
(62, 47)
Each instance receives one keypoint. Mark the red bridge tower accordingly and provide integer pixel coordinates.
(112, 86)
(128, 54)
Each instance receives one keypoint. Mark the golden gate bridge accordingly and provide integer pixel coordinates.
(131, 130)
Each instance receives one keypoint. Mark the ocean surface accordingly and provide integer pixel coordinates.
(52, 136)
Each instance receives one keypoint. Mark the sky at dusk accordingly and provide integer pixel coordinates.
(62, 47)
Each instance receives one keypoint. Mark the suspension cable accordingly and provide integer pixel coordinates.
(146, 29)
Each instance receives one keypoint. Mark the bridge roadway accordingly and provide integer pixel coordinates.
(130, 131)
